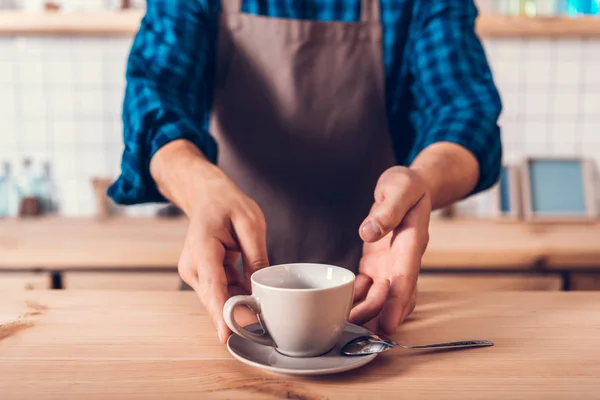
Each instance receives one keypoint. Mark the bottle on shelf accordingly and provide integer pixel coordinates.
(27, 191)
(5, 191)
(575, 8)
(47, 190)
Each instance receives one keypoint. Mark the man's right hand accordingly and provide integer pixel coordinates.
(224, 225)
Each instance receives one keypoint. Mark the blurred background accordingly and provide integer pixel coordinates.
(62, 68)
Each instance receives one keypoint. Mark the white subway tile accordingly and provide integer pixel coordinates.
(533, 148)
(70, 194)
(59, 49)
(536, 102)
(7, 48)
(7, 75)
(591, 102)
(568, 72)
(113, 103)
(8, 106)
(114, 72)
(62, 104)
(118, 48)
(34, 135)
(33, 104)
(512, 101)
(94, 163)
(538, 73)
(89, 73)
(113, 129)
(537, 132)
(508, 50)
(569, 49)
(590, 134)
(29, 49)
(507, 73)
(591, 72)
(87, 201)
(9, 129)
(92, 134)
(59, 73)
(564, 138)
(91, 104)
(539, 51)
(567, 101)
(30, 73)
(113, 157)
(592, 150)
(592, 49)
(65, 134)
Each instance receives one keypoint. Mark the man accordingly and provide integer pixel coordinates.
(308, 131)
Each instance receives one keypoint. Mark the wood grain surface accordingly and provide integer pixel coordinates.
(585, 281)
(121, 280)
(142, 243)
(485, 282)
(17, 280)
(152, 345)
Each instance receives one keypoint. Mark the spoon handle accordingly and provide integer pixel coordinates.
(451, 345)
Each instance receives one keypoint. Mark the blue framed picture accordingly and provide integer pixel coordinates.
(559, 189)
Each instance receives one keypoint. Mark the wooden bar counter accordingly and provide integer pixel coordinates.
(154, 345)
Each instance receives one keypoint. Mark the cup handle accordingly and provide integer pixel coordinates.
(250, 301)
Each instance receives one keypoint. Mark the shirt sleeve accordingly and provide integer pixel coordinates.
(455, 96)
(166, 94)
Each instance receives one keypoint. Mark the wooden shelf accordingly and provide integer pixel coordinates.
(55, 243)
(127, 23)
(538, 27)
(120, 23)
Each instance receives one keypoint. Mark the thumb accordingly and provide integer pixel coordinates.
(211, 285)
(252, 237)
(387, 214)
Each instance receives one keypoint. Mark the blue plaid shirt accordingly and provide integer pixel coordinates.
(438, 83)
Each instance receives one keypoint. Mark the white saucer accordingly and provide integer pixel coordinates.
(268, 358)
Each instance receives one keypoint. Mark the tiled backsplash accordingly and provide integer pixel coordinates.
(60, 101)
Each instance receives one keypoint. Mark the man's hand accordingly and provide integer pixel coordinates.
(224, 225)
(396, 234)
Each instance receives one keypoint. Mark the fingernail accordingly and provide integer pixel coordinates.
(371, 231)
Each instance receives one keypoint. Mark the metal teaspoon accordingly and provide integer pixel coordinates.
(371, 344)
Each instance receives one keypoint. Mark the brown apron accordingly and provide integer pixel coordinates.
(299, 116)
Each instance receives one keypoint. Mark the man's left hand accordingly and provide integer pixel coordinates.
(396, 234)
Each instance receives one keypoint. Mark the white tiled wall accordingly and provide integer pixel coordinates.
(551, 95)
(60, 101)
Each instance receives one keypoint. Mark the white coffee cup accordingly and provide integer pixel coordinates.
(303, 308)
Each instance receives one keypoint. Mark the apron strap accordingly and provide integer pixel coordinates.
(231, 6)
(369, 11)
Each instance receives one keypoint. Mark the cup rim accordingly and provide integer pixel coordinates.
(274, 288)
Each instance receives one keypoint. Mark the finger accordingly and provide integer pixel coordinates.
(212, 285)
(361, 287)
(412, 303)
(408, 245)
(374, 264)
(368, 309)
(229, 264)
(396, 304)
(252, 236)
(395, 195)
